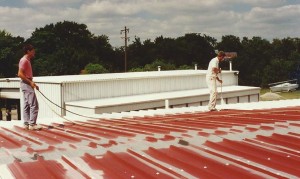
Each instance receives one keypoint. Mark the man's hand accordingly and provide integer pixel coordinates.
(216, 70)
(33, 85)
(220, 81)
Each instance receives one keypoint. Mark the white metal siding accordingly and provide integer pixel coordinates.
(233, 100)
(46, 108)
(254, 98)
(9, 83)
(127, 87)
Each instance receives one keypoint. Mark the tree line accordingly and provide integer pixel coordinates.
(69, 48)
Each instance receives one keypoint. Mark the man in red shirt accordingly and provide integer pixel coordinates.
(31, 106)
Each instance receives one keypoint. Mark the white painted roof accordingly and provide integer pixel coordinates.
(93, 103)
(110, 76)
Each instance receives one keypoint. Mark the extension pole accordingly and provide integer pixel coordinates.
(222, 100)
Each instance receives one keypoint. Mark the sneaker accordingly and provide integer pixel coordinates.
(26, 126)
(213, 109)
(34, 127)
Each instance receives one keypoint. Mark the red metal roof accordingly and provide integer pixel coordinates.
(224, 144)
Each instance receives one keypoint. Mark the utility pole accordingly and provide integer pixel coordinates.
(125, 30)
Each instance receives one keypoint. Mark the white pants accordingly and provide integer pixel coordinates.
(212, 86)
(31, 105)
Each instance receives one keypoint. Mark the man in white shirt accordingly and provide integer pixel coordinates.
(211, 77)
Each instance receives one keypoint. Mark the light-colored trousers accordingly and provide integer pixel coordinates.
(31, 105)
(212, 86)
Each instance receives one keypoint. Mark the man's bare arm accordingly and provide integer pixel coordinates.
(28, 81)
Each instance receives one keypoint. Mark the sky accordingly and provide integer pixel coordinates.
(148, 19)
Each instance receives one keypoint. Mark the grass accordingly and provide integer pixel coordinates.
(285, 95)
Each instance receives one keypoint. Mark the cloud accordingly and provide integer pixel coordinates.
(51, 2)
(277, 22)
(274, 15)
(149, 19)
(266, 3)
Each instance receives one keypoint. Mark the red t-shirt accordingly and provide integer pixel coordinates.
(25, 65)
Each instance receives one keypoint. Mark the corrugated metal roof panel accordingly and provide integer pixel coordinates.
(224, 144)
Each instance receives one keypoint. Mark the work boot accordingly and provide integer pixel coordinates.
(34, 127)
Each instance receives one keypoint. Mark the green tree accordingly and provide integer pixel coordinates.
(230, 43)
(154, 66)
(195, 48)
(159, 62)
(65, 48)
(185, 67)
(277, 70)
(188, 50)
(284, 48)
(140, 53)
(94, 69)
(252, 59)
(287, 52)
(10, 53)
